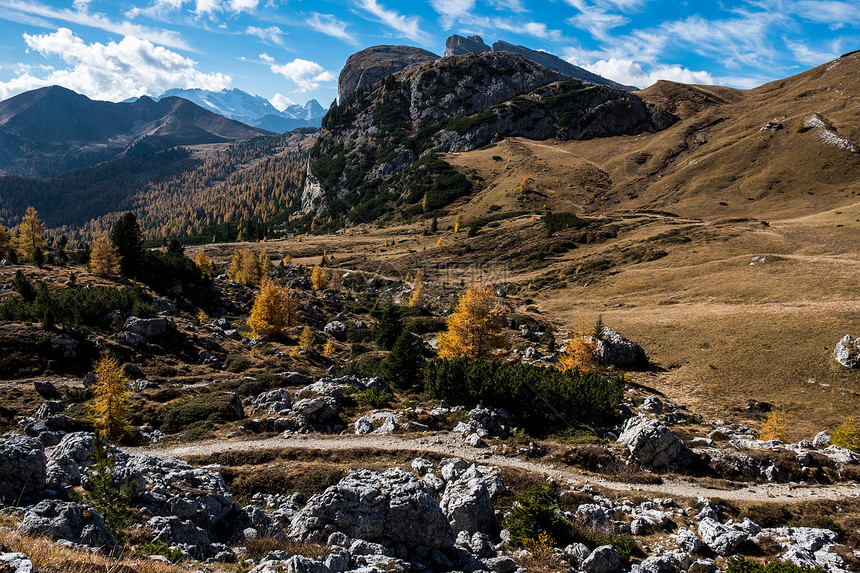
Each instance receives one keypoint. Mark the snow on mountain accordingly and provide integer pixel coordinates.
(252, 109)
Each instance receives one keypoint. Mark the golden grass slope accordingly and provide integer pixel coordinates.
(724, 330)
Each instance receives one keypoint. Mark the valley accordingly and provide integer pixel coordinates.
(487, 318)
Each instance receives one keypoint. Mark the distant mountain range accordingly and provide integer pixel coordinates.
(52, 130)
(251, 109)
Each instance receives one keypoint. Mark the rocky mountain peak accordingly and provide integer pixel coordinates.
(368, 66)
(457, 45)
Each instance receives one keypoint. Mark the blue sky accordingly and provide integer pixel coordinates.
(293, 50)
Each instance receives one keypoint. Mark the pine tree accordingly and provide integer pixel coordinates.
(204, 263)
(128, 239)
(434, 225)
(388, 327)
(274, 310)
(319, 278)
(402, 367)
(30, 233)
(109, 411)
(22, 285)
(5, 242)
(101, 494)
(475, 327)
(104, 258)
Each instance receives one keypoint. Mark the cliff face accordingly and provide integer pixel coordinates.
(368, 66)
(380, 140)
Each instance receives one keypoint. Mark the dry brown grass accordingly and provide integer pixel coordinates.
(50, 557)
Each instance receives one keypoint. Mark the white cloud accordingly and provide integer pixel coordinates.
(509, 5)
(113, 71)
(598, 22)
(827, 11)
(82, 5)
(535, 29)
(331, 26)
(281, 102)
(272, 34)
(806, 55)
(305, 74)
(93, 20)
(405, 26)
(452, 10)
(207, 7)
(243, 5)
(628, 72)
(267, 58)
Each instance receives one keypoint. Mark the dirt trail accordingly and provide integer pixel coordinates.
(451, 445)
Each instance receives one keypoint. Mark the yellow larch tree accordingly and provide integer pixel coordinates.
(31, 233)
(244, 267)
(265, 263)
(457, 222)
(475, 328)
(204, 263)
(417, 298)
(319, 278)
(274, 310)
(580, 353)
(306, 340)
(104, 258)
(774, 426)
(109, 411)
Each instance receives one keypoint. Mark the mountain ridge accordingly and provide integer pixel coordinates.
(250, 109)
(52, 130)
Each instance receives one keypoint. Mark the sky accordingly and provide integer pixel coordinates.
(290, 51)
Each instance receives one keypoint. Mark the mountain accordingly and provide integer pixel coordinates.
(460, 46)
(52, 130)
(251, 109)
(370, 65)
(379, 140)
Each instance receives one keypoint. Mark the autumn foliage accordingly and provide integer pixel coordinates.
(319, 278)
(104, 258)
(109, 411)
(275, 309)
(204, 263)
(244, 267)
(31, 233)
(774, 426)
(475, 328)
(581, 352)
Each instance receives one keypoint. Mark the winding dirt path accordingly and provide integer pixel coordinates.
(452, 445)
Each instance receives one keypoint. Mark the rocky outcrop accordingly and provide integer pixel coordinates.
(392, 507)
(61, 520)
(615, 350)
(650, 442)
(146, 327)
(466, 503)
(454, 104)
(457, 45)
(370, 65)
(847, 352)
(23, 466)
